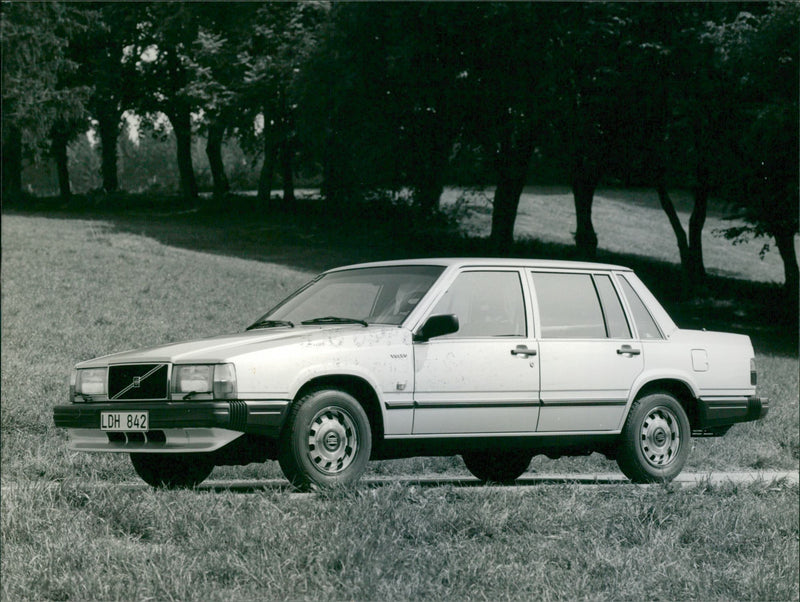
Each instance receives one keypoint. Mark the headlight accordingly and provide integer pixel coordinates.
(193, 379)
(90, 381)
(219, 379)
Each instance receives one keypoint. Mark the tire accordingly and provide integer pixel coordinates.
(172, 471)
(497, 466)
(326, 442)
(655, 440)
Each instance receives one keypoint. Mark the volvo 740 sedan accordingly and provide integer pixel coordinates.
(492, 359)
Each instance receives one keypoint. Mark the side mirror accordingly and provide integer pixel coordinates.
(437, 326)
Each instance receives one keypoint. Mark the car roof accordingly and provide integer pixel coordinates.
(447, 262)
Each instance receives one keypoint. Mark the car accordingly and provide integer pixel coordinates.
(493, 359)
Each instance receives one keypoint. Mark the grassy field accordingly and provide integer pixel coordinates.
(73, 289)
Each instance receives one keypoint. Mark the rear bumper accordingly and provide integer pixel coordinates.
(262, 417)
(725, 411)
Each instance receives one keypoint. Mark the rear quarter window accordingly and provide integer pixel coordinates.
(645, 324)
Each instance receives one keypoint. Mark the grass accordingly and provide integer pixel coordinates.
(83, 541)
(618, 217)
(77, 288)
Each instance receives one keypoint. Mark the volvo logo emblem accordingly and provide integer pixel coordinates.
(331, 441)
(137, 382)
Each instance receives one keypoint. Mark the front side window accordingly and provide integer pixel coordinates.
(487, 304)
(381, 295)
(568, 306)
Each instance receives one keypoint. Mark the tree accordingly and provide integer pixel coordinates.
(678, 107)
(100, 52)
(218, 66)
(587, 130)
(274, 56)
(510, 86)
(37, 95)
(761, 52)
(166, 33)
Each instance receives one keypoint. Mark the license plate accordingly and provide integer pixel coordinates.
(125, 421)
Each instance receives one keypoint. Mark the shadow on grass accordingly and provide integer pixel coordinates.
(313, 235)
(280, 486)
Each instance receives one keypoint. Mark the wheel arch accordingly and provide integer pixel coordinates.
(679, 389)
(359, 388)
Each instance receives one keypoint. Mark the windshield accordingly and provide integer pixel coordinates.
(381, 295)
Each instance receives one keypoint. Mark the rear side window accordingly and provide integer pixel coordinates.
(644, 321)
(616, 323)
(568, 306)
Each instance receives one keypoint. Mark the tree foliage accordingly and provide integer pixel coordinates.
(37, 91)
(390, 96)
(761, 52)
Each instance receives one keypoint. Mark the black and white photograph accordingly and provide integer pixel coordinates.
(400, 300)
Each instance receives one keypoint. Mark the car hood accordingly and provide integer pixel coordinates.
(227, 347)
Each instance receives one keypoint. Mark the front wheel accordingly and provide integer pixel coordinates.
(497, 466)
(172, 471)
(327, 440)
(655, 440)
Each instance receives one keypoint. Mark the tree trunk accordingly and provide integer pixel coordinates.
(512, 168)
(504, 212)
(680, 234)
(584, 185)
(108, 121)
(216, 133)
(696, 267)
(181, 121)
(427, 193)
(59, 150)
(431, 147)
(287, 171)
(12, 161)
(268, 165)
(785, 242)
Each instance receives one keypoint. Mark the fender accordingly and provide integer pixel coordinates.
(313, 372)
(648, 376)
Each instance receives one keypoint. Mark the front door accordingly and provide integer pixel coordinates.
(485, 377)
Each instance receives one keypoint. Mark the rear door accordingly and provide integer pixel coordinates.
(588, 357)
(485, 377)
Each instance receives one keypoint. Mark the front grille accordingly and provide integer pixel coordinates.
(138, 382)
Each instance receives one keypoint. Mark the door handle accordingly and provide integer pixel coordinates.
(628, 350)
(523, 351)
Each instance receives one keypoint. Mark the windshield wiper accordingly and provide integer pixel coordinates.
(270, 324)
(334, 320)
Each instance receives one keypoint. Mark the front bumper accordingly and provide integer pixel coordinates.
(725, 411)
(173, 425)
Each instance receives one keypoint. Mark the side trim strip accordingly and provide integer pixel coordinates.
(438, 405)
(399, 405)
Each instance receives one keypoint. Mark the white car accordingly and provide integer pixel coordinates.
(493, 359)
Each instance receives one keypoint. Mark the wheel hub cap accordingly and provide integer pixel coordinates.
(660, 437)
(332, 440)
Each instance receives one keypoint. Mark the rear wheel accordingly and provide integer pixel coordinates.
(497, 466)
(172, 471)
(327, 440)
(655, 440)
